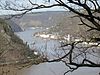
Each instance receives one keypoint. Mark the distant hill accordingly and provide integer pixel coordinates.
(44, 19)
(61, 19)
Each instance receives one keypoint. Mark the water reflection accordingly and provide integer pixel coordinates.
(48, 68)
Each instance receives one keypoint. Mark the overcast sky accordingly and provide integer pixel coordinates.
(25, 2)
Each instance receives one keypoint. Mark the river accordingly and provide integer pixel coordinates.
(48, 68)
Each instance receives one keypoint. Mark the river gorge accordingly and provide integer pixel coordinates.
(56, 68)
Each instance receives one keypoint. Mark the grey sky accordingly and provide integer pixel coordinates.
(26, 3)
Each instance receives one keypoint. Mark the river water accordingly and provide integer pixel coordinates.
(57, 68)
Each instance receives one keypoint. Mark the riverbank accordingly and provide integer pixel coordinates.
(14, 54)
(14, 68)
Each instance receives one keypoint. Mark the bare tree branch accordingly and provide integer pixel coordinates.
(78, 55)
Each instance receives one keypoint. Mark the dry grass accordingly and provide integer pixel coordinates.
(8, 70)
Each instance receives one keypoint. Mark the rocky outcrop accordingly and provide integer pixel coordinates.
(14, 26)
